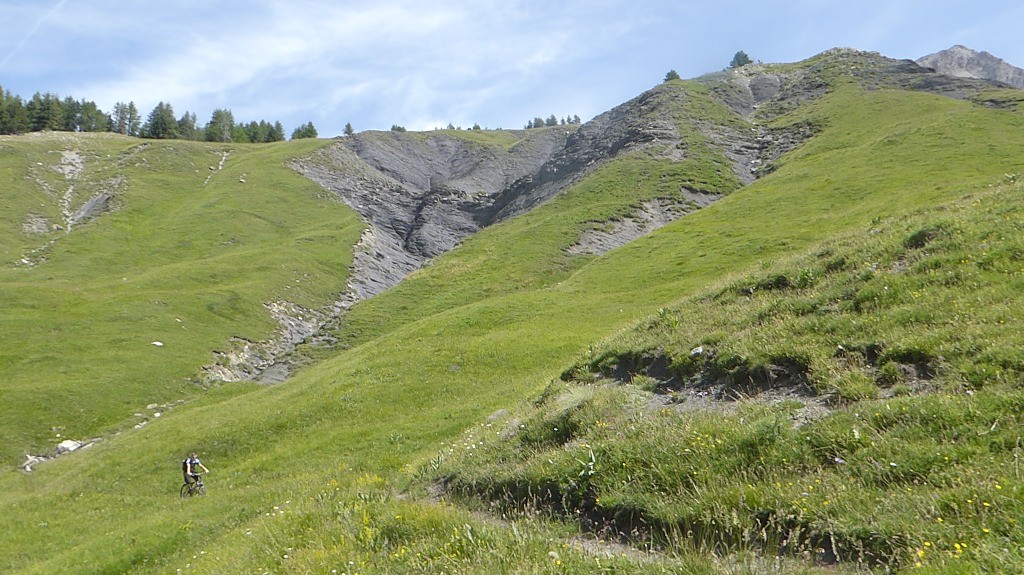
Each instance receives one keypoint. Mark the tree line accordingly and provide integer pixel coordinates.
(551, 120)
(50, 112)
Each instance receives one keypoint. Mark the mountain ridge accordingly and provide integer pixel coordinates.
(422, 193)
(964, 62)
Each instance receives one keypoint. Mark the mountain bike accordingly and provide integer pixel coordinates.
(195, 488)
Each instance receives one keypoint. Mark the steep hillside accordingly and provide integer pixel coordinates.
(126, 264)
(421, 193)
(521, 405)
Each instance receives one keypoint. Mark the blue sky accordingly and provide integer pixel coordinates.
(424, 64)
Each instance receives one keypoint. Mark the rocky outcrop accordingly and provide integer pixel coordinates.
(650, 216)
(420, 194)
(263, 361)
(963, 62)
(423, 193)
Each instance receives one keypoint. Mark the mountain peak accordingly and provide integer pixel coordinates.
(964, 62)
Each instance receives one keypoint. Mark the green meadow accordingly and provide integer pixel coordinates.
(472, 419)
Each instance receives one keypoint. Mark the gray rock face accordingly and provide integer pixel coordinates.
(420, 193)
(423, 193)
(963, 62)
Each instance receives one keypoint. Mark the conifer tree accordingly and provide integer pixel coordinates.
(306, 130)
(221, 126)
(277, 132)
(187, 128)
(740, 59)
(13, 117)
(161, 123)
(134, 120)
(45, 112)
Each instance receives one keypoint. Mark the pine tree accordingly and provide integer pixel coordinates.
(91, 118)
(134, 120)
(277, 132)
(221, 126)
(72, 110)
(348, 129)
(45, 112)
(671, 75)
(187, 129)
(13, 117)
(238, 134)
(161, 123)
(306, 130)
(119, 118)
(740, 59)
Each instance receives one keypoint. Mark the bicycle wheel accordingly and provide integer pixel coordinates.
(186, 490)
(200, 489)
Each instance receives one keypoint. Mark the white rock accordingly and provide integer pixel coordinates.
(68, 445)
(158, 343)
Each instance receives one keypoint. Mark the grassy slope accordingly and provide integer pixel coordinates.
(179, 261)
(906, 470)
(298, 466)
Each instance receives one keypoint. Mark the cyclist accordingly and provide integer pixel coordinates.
(189, 468)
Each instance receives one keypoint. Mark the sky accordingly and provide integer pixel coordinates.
(425, 64)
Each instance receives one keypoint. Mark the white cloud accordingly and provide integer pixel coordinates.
(422, 64)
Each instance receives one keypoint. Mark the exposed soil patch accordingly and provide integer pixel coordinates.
(711, 387)
(264, 361)
(99, 198)
(35, 224)
(651, 215)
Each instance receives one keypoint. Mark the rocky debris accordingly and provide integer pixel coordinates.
(963, 62)
(379, 263)
(651, 215)
(71, 164)
(220, 166)
(65, 447)
(154, 413)
(68, 445)
(36, 224)
(95, 205)
(421, 194)
(31, 461)
(248, 360)
(645, 122)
